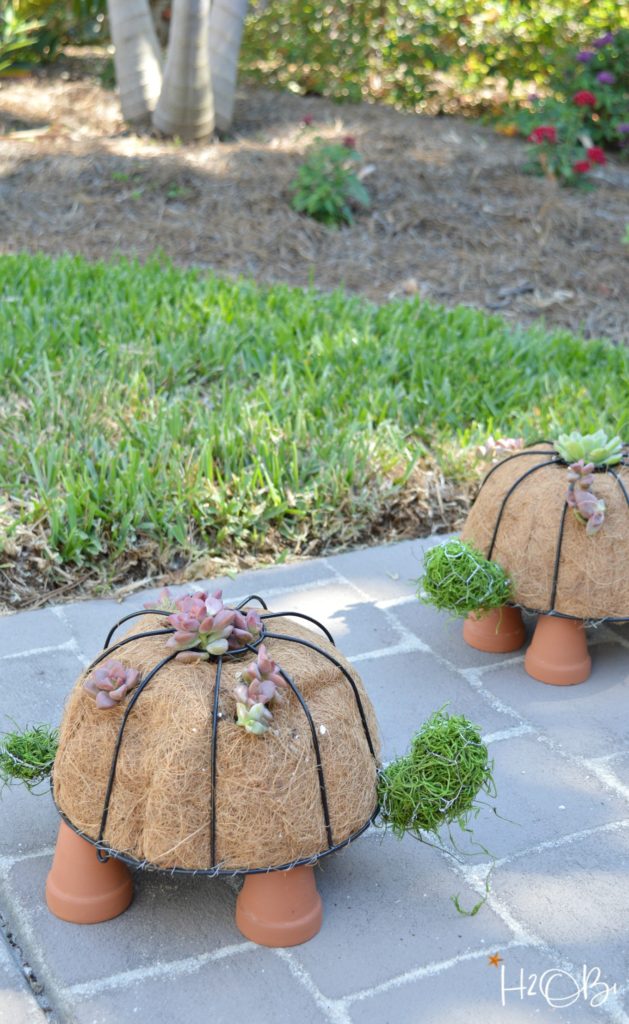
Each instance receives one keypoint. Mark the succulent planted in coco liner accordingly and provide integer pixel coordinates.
(587, 507)
(110, 682)
(258, 685)
(204, 621)
(596, 448)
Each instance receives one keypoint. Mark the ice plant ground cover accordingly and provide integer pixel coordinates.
(153, 416)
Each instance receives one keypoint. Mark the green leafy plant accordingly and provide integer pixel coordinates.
(459, 579)
(583, 109)
(18, 40)
(417, 54)
(597, 448)
(326, 186)
(27, 756)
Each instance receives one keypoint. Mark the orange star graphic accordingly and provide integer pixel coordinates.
(495, 959)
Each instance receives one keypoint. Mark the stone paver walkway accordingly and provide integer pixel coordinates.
(393, 949)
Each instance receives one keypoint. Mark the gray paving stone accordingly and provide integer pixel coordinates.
(34, 689)
(444, 636)
(170, 918)
(90, 621)
(356, 625)
(387, 572)
(28, 630)
(591, 719)
(252, 987)
(575, 897)
(543, 796)
(388, 910)
(28, 821)
(17, 1002)
(472, 991)
(407, 688)
(619, 767)
(275, 577)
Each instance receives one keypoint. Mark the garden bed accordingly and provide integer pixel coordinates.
(453, 218)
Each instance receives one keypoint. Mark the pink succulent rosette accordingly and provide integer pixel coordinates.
(110, 682)
(204, 621)
(258, 685)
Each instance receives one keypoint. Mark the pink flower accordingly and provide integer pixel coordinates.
(110, 682)
(581, 166)
(349, 142)
(596, 155)
(307, 119)
(584, 98)
(545, 133)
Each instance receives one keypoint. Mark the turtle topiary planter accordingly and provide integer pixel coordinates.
(180, 754)
(566, 558)
(180, 776)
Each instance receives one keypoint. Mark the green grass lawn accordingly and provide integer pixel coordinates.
(150, 415)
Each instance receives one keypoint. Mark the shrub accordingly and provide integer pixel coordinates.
(326, 186)
(418, 52)
(584, 110)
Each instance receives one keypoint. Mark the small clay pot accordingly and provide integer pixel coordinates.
(279, 908)
(498, 632)
(80, 888)
(558, 653)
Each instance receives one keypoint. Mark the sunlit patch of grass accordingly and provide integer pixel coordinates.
(153, 409)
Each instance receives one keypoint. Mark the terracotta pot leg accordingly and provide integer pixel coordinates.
(499, 632)
(558, 653)
(279, 908)
(82, 890)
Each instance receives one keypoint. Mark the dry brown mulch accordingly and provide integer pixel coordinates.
(453, 218)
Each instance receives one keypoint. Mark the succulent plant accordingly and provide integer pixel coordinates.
(258, 685)
(201, 621)
(495, 447)
(255, 719)
(595, 448)
(587, 507)
(165, 601)
(110, 682)
(247, 628)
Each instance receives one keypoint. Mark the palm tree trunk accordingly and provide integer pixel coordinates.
(186, 107)
(137, 58)
(226, 23)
